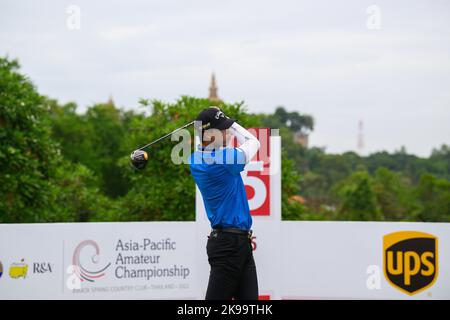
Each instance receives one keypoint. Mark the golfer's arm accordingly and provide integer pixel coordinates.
(248, 142)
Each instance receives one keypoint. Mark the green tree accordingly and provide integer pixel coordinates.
(72, 132)
(108, 131)
(434, 196)
(294, 121)
(77, 197)
(60, 165)
(439, 162)
(94, 140)
(394, 195)
(38, 184)
(292, 209)
(358, 198)
(27, 154)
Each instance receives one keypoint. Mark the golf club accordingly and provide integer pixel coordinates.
(139, 157)
(166, 136)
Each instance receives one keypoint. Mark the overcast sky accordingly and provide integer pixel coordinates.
(315, 57)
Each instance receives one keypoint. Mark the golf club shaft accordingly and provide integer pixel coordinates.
(166, 136)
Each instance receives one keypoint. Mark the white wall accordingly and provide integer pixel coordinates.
(295, 260)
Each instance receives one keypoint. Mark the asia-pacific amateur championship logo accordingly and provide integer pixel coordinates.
(410, 260)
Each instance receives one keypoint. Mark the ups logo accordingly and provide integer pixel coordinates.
(410, 260)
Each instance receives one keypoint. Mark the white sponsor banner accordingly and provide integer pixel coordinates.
(148, 260)
(167, 260)
(344, 260)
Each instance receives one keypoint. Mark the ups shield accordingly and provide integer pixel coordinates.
(410, 260)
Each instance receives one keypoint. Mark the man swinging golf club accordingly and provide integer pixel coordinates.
(216, 170)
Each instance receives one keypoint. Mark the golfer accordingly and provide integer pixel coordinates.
(216, 170)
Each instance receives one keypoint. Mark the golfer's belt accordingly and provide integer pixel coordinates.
(241, 232)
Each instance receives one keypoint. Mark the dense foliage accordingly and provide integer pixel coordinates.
(59, 165)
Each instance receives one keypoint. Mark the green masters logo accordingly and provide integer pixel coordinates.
(410, 260)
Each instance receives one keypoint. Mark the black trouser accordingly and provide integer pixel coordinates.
(233, 270)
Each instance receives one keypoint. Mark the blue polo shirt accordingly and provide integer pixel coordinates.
(217, 175)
